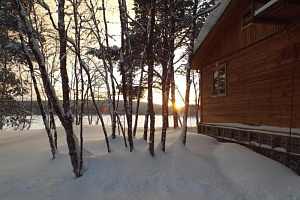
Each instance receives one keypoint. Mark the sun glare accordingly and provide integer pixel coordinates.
(179, 104)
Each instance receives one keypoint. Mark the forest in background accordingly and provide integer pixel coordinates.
(104, 106)
(60, 54)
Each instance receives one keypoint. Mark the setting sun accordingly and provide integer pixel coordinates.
(179, 104)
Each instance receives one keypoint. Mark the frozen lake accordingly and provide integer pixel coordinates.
(37, 122)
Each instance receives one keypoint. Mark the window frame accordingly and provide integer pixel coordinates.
(213, 70)
(243, 14)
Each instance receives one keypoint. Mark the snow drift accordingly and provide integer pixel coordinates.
(204, 169)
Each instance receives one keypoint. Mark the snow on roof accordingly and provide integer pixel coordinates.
(210, 22)
(270, 3)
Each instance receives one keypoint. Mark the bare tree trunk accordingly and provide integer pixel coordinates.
(146, 123)
(171, 66)
(3, 99)
(52, 122)
(38, 96)
(88, 106)
(81, 126)
(98, 104)
(95, 104)
(139, 93)
(76, 93)
(112, 105)
(163, 91)
(150, 78)
(76, 4)
(123, 131)
(64, 116)
(80, 118)
(31, 106)
(84, 66)
(113, 100)
(126, 69)
(173, 99)
(188, 72)
(164, 63)
(51, 114)
(196, 98)
(199, 100)
(22, 97)
(111, 108)
(169, 76)
(65, 85)
(165, 113)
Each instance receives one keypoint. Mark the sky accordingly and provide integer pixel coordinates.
(113, 19)
(113, 16)
(113, 13)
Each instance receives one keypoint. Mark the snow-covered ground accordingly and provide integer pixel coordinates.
(203, 169)
(37, 122)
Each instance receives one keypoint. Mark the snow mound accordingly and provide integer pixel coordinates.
(203, 169)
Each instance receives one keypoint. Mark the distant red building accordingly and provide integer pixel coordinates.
(105, 110)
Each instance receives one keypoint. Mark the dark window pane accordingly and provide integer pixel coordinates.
(215, 82)
(222, 81)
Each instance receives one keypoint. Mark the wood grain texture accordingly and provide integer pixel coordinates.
(260, 62)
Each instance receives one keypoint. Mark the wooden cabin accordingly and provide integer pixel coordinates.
(248, 56)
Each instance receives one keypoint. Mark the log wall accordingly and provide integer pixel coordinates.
(262, 75)
(228, 37)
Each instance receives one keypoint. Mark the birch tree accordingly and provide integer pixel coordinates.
(39, 99)
(150, 77)
(192, 34)
(126, 69)
(63, 112)
(84, 66)
(111, 70)
(188, 72)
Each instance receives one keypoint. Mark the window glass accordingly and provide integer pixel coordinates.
(246, 18)
(215, 82)
(219, 81)
(222, 87)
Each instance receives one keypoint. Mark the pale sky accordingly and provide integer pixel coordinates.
(113, 19)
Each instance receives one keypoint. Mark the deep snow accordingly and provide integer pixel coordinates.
(204, 169)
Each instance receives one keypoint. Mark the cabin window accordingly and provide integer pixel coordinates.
(219, 81)
(246, 19)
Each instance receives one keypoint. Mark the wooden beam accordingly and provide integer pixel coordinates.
(296, 2)
(259, 1)
(249, 137)
(201, 96)
(275, 141)
(287, 147)
(252, 11)
(272, 142)
(269, 20)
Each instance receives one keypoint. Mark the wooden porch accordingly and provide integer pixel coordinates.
(281, 146)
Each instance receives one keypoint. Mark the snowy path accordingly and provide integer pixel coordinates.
(205, 169)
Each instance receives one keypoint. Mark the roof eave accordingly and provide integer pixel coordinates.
(210, 24)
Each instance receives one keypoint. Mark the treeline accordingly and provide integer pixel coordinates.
(104, 105)
(66, 48)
